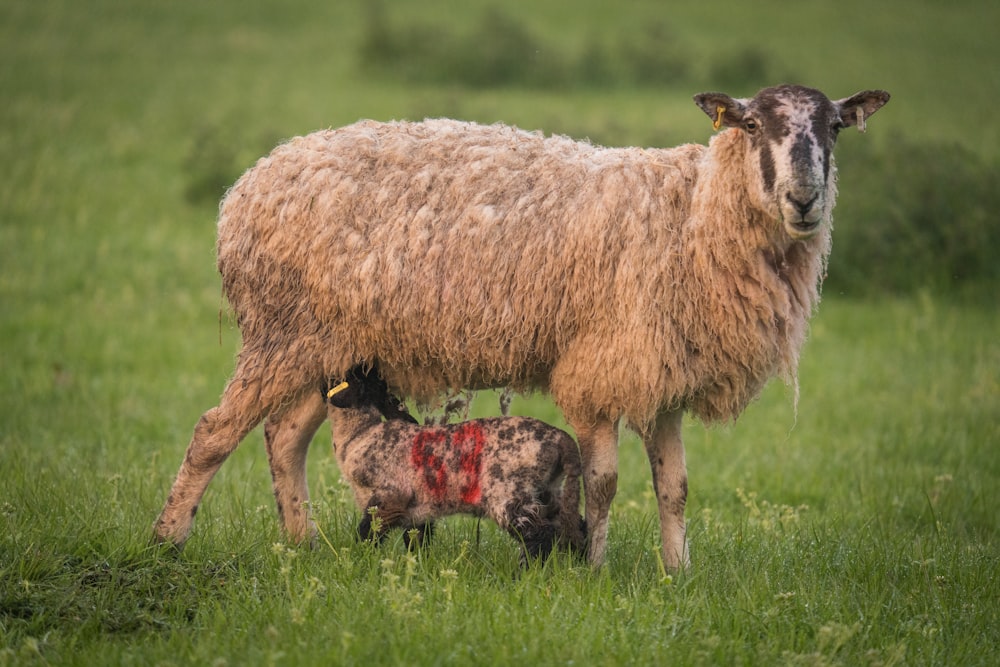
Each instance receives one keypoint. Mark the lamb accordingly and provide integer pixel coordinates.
(518, 471)
(631, 284)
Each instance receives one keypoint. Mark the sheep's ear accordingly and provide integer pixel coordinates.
(856, 109)
(722, 109)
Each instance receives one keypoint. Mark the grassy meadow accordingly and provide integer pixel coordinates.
(857, 526)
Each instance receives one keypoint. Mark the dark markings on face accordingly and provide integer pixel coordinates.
(826, 125)
(765, 112)
(769, 109)
(802, 152)
(767, 166)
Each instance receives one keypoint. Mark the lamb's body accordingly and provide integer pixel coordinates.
(518, 471)
(627, 282)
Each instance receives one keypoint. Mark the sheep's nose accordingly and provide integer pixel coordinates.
(802, 207)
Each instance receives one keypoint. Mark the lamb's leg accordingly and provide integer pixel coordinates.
(537, 537)
(287, 435)
(383, 513)
(367, 525)
(527, 519)
(421, 534)
(599, 452)
(666, 458)
(217, 434)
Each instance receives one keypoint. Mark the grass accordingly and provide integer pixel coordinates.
(859, 528)
(860, 531)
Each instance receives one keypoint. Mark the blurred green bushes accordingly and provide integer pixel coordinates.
(216, 156)
(499, 49)
(912, 215)
(915, 215)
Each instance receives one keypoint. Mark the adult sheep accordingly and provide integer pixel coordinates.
(629, 283)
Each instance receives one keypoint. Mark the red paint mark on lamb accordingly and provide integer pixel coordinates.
(425, 459)
(469, 440)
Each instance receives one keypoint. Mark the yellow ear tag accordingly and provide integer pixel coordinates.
(717, 123)
(340, 387)
(860, 113)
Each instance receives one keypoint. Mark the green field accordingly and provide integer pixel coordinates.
(858, 528)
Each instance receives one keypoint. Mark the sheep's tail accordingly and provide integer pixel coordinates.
(572, 527)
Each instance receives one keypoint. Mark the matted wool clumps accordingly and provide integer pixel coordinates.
(471, 256)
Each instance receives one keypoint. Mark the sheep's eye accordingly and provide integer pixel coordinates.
(750, 125)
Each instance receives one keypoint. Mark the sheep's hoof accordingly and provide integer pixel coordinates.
(165, 546)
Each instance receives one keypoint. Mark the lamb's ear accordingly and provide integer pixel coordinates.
(722, 109)
(338, 397)
(856, 109)
(377, 390)
(393, 408)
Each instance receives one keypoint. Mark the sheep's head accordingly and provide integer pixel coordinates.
(791, 130)
(365, 388)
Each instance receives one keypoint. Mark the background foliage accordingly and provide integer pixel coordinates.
(914, 201)
(859, 528)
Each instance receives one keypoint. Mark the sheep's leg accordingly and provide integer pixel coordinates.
(666, 458)
(217, 434)
(287, 435)
(599, 453)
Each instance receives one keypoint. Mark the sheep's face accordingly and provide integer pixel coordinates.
(791, 131)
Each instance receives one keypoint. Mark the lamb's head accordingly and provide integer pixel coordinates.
(790, 133)
(364, 388)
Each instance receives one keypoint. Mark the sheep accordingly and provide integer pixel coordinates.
(630, 284)
(518, 471)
